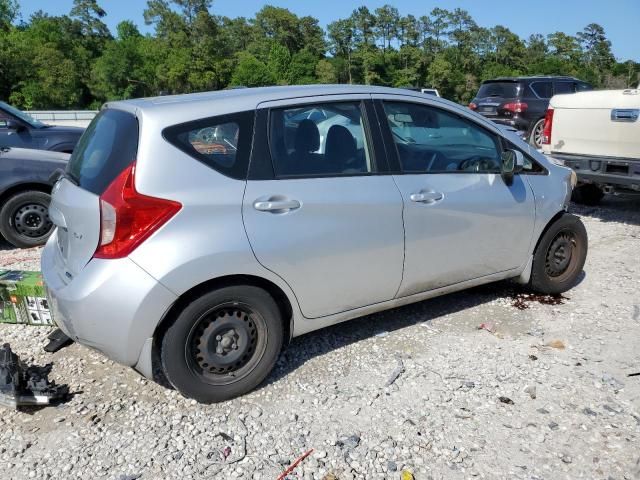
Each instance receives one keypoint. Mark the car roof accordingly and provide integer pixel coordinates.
(173, 109)
(251, 97)
(532, 77)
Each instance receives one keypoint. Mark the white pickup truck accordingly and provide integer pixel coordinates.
(596, 133)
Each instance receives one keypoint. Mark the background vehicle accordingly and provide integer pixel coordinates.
(598, 135)
(428, 91)
(17, 129)
(268, 230)
(521, 102)
(25, 187)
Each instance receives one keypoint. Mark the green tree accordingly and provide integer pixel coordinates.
(9, 12)
(251, 72)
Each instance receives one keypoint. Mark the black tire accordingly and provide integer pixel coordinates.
(559, 256)
(588, 194)
(247, 319)
(535, 133)
(24, 219)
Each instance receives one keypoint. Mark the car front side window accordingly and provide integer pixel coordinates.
(432, 140)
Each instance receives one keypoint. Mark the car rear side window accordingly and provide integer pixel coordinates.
(222, 143)
(319, 140)
(563, 87)
(106, 148)
(542, 89)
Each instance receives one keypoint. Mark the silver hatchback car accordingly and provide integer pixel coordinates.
(206, 230)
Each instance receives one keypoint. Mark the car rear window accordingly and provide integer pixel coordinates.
(106, 148)
(498, 89)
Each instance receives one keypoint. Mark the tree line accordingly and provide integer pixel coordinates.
(74, 61)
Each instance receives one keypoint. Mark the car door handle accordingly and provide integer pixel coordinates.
(625, 114)
(276, 206)
(426, 197)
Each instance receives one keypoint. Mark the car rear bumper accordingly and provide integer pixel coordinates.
(613, 171)
(112, 306)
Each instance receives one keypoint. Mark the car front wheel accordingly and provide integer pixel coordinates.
(24, 219)
(560, 256)
(223, 344)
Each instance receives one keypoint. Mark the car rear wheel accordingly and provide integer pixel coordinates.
(535, 136)
(24, 219)
(587, 194)
(560, 256)
(223, 344)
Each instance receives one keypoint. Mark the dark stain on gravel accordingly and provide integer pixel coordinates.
(522, 300)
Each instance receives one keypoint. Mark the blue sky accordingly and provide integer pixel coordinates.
(618, 17)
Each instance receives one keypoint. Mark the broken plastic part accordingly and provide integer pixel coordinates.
(21, 385)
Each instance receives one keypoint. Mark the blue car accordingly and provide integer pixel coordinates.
(17, 129)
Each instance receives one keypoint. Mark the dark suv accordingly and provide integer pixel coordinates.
(17, 129)
(521, 102)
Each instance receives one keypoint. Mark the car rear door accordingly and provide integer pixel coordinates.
(106, 148)
(320, 210)
(462, 221)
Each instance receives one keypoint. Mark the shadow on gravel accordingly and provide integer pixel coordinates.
(612, 209)
(4, 245)
(331, 338)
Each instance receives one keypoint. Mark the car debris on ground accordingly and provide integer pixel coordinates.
(22, 385)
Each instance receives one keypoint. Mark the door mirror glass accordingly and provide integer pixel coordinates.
(512, 163)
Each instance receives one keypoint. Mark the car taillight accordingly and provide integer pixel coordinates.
(548, 126)
(515, 107)
(127, 218)
(473, 106)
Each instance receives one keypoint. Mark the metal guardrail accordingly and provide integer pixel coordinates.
(63, 115)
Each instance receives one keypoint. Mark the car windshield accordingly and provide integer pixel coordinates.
(498, 89)
(21, 115)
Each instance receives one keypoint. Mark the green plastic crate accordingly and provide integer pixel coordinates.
(23, 298)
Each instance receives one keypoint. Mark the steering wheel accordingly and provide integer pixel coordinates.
(477, 164)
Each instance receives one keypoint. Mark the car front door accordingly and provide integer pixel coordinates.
(14, 137)
(319, 209)
(462, 220)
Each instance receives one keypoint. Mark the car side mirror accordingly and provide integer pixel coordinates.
(13, 125)
(512, 163)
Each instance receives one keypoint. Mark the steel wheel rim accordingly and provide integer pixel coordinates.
(32, 220)
(538, 131)
(561, 255)
(224, 344)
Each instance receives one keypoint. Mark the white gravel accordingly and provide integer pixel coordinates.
(575, 412)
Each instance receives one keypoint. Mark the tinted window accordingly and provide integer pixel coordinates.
(21, 115)
(222, 143)
(563, 87)
(311, 140)
(542, 89)
(498, 89)
(583, 87)
(433, 140)
(106, 148)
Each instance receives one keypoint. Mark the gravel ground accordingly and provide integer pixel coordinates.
(544, 395)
